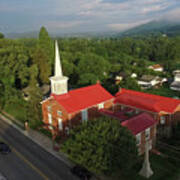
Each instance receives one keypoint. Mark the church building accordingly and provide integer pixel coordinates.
(64, 109)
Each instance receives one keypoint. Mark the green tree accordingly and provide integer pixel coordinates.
(1, 35)
(92, 67)
(33, 108)
(46, 44)
(2, 100)
(44, 56)
(130, 83)
(40, 59)
(102, 145)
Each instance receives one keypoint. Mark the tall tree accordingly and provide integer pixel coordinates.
(34, 114)
(46, 44)
(41, 60)
(43, 55)
(102, 145)
(1, 35)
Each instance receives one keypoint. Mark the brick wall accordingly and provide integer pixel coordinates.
(170, 119)
(176, 116)
(143, 139)
(68, 120)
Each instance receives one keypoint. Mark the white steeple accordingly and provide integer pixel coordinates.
(58, 67)
(59, 83)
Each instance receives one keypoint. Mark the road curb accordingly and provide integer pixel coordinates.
(58, 155)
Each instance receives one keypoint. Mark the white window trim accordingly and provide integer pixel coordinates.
(67, 130)
(50, 122)
(101, 105)
(60, 124)
(147, 132)
(84, 115)
(49, 108)
(59, 113)
(138, 138)
(162, 120)
(150, 144)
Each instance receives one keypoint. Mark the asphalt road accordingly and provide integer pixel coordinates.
(28, 161)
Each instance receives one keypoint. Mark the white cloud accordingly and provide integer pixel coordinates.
(149, 2)
(172, 15)
(88, 14)
(153, 8)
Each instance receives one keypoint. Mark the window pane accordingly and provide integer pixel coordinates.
(147, 133)
(138, 139)
(49, 108)
(101, 106)
(59, 113)
(84, 114)
(60, 124)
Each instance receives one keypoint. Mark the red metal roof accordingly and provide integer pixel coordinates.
(139, 123)
(83, 98)
(145, 101)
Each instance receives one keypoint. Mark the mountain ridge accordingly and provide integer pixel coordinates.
(153, 27)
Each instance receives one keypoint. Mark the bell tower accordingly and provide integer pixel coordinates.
(59, 83)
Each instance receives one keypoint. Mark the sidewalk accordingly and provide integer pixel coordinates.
(40, 139)
(2, 177)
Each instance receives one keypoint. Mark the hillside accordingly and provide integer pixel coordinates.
(154, 27)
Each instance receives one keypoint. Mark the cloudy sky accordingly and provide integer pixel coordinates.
(83, 15)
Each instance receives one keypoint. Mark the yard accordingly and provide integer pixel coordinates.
(163, 168)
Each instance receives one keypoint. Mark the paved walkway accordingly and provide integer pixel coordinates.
(2, 177)
(40, 139)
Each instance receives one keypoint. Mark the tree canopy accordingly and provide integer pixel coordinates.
(102, 145)
(1, 35)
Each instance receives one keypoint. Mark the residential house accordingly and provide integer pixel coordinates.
(133, 75)
(120, 77)
(156, 67)
(163, 109)
(175, 85)
(149, 81)
(177, 71)
(45, 90)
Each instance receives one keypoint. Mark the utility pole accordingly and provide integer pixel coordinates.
(146, 170)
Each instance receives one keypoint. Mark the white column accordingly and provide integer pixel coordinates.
(146, 170)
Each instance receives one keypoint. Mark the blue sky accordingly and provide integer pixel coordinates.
(60, 16)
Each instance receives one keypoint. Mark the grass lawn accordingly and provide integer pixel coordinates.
(163, 168)
(17, 111)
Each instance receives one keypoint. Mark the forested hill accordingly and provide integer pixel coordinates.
(33, 34)
(153, 27)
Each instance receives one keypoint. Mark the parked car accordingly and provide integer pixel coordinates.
(4, 148)
(81, 172)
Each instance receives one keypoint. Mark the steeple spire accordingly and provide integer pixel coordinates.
(58, 67)
(59, 83)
